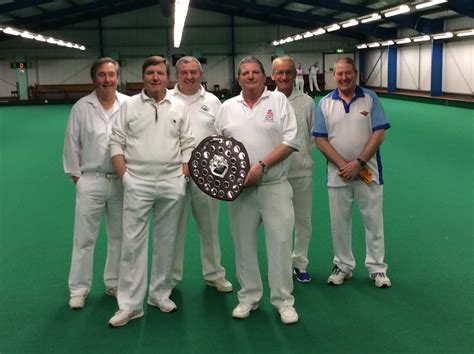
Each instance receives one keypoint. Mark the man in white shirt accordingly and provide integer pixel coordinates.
(350, 127)
(151, 144)
(313, 77)
(300, 171)
(202, 111)
(86, 161)
(265, 123)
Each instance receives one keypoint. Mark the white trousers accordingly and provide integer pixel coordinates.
(369, 198)
(94, 195)
(205, 210)
(299, 82)
(313, 82)
(166, 199)
(272, 205)
(303, 206)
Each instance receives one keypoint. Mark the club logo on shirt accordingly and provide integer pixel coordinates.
(269, 116)
(205, 108)
(364, 113)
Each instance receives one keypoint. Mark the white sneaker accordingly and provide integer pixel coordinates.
(111, 291)
(288, 314)
(338, 275)
(221, 284)
(243, 310)
(77, 302)
(122, 317)
(165, 305)
(381, 280)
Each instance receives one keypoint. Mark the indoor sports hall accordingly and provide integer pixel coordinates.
(417, 56)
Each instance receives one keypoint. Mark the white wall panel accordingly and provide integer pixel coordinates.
(425, 67)
(458, 67)
(408, 67)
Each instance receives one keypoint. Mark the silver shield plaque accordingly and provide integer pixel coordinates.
(218, 166)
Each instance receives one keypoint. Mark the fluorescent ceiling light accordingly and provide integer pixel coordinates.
(421, 38)
(465, 33)
(386, 43)
(361, 46)
(51, 40)
(180, 12)
(403, 41)
(374, 45)
(430, 3)
(397, 11)
(307, 34)
(27, 35)
(275, 43)
(373, 17)
(333, 27)
(282, 41)
(11, 31)
(298, 37)
(40, 38)
(443, 35)
(289, 39)
(82, 47)
(319, 31)
(350, 23)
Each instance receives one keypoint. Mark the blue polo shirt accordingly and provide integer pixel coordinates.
(348, 127)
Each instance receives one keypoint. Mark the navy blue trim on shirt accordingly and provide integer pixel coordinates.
(358, 93)
(321, 135)
(383, 126)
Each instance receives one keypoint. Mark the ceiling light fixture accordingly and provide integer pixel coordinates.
(443, 35)
(386, 43)
(403, 41)
(333, 27)
(373, 17)
(319, 31)
(397, 11)
(180, 12)
(374, 45)
(421, 38)
(465, 33)
(429, 3)
(350, 23)
(361, 46)
(307, 34)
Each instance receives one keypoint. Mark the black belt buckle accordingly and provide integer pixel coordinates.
(219, 165)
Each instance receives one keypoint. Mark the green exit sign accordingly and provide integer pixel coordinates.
(339, 50)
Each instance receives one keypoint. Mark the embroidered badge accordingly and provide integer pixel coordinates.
(364, 113)
(269, 116)
(205, 108)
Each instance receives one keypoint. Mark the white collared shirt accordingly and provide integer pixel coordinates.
(87, 136)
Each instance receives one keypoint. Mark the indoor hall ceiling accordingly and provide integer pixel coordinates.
(44, 15)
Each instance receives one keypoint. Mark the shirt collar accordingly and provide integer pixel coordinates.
(177, 91)
(265, 94)
(358, 93)
(145, 97)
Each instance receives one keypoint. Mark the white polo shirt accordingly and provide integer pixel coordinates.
(301, 162)
(202, 111)
(86, 142)
(269, 123)
(349, 127)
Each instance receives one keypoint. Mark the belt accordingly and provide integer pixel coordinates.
(105, 175)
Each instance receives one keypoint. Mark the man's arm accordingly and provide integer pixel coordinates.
(351, 169)
(276, 156)
(322, 143)
(72, 148)
(120, 165)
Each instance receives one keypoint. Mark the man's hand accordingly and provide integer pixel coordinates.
(185, 169)
(254, 175)
(350, 170)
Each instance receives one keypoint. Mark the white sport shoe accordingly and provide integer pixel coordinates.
(338, 275)
(111, 291)
(165, 305)
(77, 302)
(122, 317)
(288, 314)
(381, 280)
(221, 284)
(243, 310)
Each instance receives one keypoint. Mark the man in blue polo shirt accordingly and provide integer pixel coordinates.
(350, 127)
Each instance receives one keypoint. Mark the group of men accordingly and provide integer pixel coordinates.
(312, 77)
(128, 157)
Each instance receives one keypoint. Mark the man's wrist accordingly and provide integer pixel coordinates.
(262, 164)
(361, 162)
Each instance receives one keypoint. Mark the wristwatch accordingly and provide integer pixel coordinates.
(362, 163)
(264, 167)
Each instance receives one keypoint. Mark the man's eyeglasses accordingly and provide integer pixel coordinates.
(281, 72)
